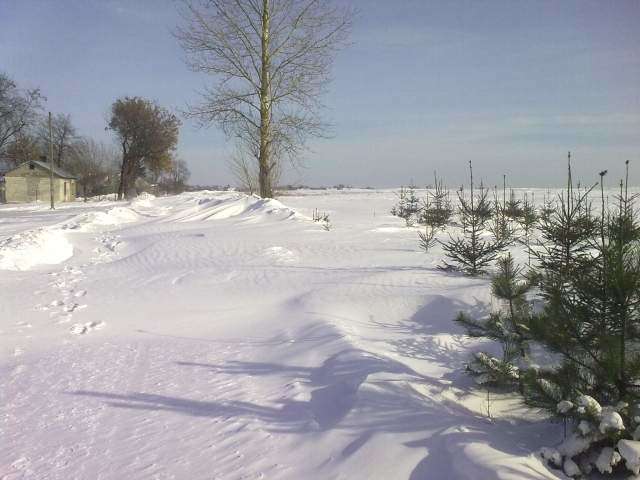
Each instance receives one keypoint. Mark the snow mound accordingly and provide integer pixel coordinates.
(98, 220)
(203, 207)
(143, 200)
(280, 254)
(611, 421)
(26, 250)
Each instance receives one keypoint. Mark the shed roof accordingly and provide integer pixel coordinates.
(59, 172)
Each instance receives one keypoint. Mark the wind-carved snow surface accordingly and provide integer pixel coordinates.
(219, 335)
(208, 206)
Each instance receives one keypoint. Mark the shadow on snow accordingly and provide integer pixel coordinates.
(365, 394)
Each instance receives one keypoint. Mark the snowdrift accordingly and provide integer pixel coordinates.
(51, 245)
(203, 206)
(99, 220)
(25, 250)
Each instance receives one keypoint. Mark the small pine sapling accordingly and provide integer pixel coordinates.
(408, 205)
(427, 239)
(398, 210)
(436, 207)
(514, 208)
(509, 327)
(485, 209)
(589, 280)
(470, 253)
(322, 218)
(527, 221)
(499, 224)
(412, 205)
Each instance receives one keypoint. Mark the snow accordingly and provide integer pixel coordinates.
(574, 444)
(630, 451)
(564, 406)
(610, 421)
(113, 217)
(552, 455)
(28, 249)
(585, 427)
(570, 468)
(607, 459)
(219, 335)
(589, 405)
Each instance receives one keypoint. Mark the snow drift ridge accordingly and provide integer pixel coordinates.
(202, 206)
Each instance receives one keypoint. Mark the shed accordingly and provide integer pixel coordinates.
(29, 182)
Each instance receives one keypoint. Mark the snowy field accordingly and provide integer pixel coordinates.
(213, 335)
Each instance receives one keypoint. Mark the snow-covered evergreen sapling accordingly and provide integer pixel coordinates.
(508, 326)
(436, 208)
(485, 210)
(499, 224)
(398, 209)
(527, 221)
(565, 258)
(322, 218)
(408, 204)
(590, 281)
(427, 239)
(513, 208)
(469, 252)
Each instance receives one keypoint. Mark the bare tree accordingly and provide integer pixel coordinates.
(63, 135)
(18, 109)
(245, 171)
(23, 147)
(271, 59)
(174, 179)
(95, 164)
(244, 166)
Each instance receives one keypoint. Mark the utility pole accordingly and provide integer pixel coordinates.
(50, 164)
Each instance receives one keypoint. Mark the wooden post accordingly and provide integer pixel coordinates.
(51, 164)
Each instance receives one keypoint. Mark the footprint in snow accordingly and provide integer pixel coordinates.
(80, 293)
(64, 319)
(72, 270)
(72, 307)
(82, 328)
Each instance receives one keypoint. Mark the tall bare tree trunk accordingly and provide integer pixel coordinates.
(121, 186)
(265, 109)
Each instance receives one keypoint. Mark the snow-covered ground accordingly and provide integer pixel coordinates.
(213, 335)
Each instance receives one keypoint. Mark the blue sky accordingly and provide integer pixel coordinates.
(426, 85)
